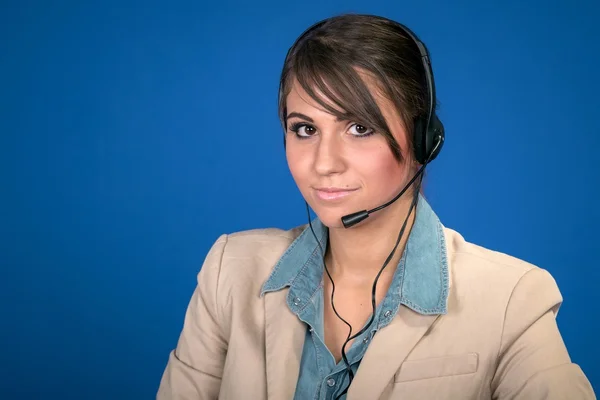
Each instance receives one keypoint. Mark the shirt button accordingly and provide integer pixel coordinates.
(297, 301)
(330, 382)
(387, 313)
(366, 339)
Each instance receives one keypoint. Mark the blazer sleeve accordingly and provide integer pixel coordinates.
(195, 366)
(533, 361)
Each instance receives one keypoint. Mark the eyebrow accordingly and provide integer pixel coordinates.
(307, 118)
(298, 115)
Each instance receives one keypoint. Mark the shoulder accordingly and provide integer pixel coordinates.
(260, 247)
(471, 258)
(496, 277)
(241, 261)
(465, 254)
(251, 241)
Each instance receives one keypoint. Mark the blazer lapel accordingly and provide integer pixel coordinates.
(284, 339)
(387, 352)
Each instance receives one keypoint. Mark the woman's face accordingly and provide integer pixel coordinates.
(342, 167)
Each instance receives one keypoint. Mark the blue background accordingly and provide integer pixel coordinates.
(132, 134)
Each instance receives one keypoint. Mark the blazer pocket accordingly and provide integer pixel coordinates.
(461, 364)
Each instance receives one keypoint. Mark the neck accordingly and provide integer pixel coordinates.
(357, 254)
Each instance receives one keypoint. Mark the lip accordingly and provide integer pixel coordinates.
(333, 193)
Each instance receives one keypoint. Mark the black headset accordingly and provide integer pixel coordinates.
(428, 132)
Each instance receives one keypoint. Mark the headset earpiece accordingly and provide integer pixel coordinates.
(426, 139)
(435, 137)
(426, 147)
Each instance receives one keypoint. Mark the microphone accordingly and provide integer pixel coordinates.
(354, 218)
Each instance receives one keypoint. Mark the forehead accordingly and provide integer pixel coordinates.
(299, 98)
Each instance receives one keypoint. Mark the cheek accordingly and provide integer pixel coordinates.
(382, 172)
(297, 163)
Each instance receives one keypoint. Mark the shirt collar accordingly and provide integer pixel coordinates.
(425, 276)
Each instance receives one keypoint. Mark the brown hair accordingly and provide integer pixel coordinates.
(328, 56)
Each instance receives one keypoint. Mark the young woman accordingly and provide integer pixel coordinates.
(381, 304)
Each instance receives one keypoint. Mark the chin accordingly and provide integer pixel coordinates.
(331, 218)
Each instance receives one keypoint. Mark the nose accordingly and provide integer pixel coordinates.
(329, 155)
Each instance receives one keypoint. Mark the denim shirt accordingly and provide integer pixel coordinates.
(420, 282)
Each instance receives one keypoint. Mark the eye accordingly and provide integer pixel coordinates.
(303, 130)
(360, 130)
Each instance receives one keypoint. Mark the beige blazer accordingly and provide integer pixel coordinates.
(499, 339)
